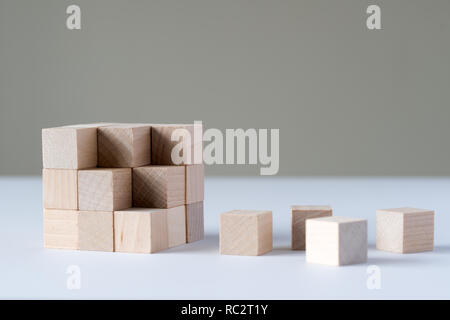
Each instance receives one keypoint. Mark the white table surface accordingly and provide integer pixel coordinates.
(197, 271)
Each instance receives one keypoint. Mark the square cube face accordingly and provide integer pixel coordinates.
(187, 146)
(176, 224)
(104, 189)
(246, 232)
(299, 214)
(195, 229)
(159, 186)
(336, 241)
(405, 230)
(195, 183)
(95, 231)
(60, 189)
(61, 229)
(140, 230)
(124, 146)
(70, 147)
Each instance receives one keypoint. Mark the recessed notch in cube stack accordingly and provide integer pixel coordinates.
(101, 192)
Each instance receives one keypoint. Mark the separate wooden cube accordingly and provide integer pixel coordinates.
(405, 230)
(124, 146)
(95, 231)
(246, 232)
(162, 144)
(158, 186)
(194, 222)
(61, 229)
(70, 147)
(299, 214)
(60, 189)
(104, 189)
(141, 230)
(176, 225)
(336, 241)
(195, 183)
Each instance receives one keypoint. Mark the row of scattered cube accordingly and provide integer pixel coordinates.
(328, 239)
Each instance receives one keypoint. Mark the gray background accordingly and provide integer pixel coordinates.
(348, 101)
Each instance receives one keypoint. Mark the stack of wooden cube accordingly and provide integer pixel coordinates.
(116, 187)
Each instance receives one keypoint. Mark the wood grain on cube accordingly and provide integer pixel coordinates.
(61, 229)
(60, 189)
(158, 186)
(95, 231)
(336, 241)
(246, 232)
(124, 146)
(70, 147)
(104, 189)
(176, 224)
(299, 214)
(405, 230)
(140, 230)
(195, 229)
(162, 144)
(195, 183)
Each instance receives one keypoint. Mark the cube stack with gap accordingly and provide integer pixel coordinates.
(116, 187)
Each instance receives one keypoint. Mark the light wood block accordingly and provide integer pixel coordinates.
(299, 214)
(246, 232)
(194, 222)
(140, 230)
(405, 230)
(195, 183)
(95, 231)
(104, 189)
(124, 146)
(70, 147)
(336, 241)
(61, 229)
(158, 186)
(162, 145)
(176, 224)
(60, 189)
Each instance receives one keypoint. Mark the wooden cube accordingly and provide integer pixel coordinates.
(405, 230)
(195, 183)
(95, 231)
(176, 225)
(336, 241)
(194, 222)
(140, 230)
(70, 147)
(61, 229)
(299, 214)
(187, 136)
(60, 189)
(104, 189)
(158, 186)
(246, 232)
(124, 146)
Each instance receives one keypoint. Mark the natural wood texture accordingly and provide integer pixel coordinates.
(299, 214)
(195, 184)
(405, 230)
(162, 144)
(104, 189)
(176, 224)
(60, 229)
(194, 222)
(60, 189)
(158, 186)
(336, 241)
(95, 231)
(124, 146)
(246, 232)
(140, 230)
(70, 147)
